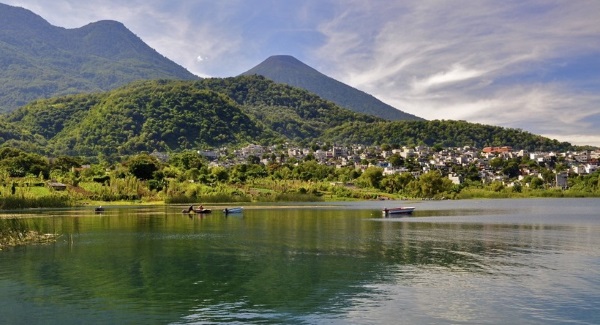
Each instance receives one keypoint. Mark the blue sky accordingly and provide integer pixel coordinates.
(527, 64)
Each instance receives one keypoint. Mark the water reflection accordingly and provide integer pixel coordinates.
(305, 265)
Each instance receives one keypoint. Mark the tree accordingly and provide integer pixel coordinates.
(187, 159)
(253, 160)
(220, 174)
(396, 182)
(65, 163)
(430, 184)
(511, 169)
(396, 160)
(372, 176)
(142, 166)
(310, 157)
(496, 163)
(19, 163)
(536, 183)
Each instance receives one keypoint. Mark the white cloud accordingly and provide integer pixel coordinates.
(456, 73)
(483, 61)
(493, 62)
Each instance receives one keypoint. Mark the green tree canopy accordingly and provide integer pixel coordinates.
(142, 166)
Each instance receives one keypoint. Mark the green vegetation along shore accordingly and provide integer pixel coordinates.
(32, 181)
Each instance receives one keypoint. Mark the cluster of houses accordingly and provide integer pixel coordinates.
(423, 159)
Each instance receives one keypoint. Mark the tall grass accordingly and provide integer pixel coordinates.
(190, 193)
(208, 198)
(289, 197)
(22, 202)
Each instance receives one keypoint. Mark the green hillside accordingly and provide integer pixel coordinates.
(168, 115)
(441, 133)
(40, 60)
(176, 115)
(16, 136)
(291, 112)
(156, 115)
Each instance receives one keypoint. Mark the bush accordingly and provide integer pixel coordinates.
(102, 179)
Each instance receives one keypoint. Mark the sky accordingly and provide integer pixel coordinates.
(527, 64)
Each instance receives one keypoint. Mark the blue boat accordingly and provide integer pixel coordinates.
(233, 210)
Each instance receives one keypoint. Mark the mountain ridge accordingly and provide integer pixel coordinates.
(289, 70)
(42, 60)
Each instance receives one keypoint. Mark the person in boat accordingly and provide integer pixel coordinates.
(200, 208)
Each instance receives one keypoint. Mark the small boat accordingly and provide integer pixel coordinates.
(233, 210)
(199, 210)
(400, 210)
(99, 209)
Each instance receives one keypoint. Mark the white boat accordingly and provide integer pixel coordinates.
(400, 210)
(233, 210)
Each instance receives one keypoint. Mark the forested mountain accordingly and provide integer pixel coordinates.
(289, 70)
(16, 136)
(291, 112)
(39, 60)
(174, 115)
(168, 115)
(144, 116)
(441, 133)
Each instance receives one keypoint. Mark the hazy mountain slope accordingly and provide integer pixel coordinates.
(289, 70)
(40, 60)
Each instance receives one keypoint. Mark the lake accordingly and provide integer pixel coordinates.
(525, 261)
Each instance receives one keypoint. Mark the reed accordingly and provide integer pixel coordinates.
(22, 202)
(208, 198)
(224, 198)
(14, 232)
(289, 197)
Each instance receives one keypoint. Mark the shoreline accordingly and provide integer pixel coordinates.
(29, 212)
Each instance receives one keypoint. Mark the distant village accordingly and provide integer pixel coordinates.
(423, 159)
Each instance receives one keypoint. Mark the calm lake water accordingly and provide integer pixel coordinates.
(529, 261)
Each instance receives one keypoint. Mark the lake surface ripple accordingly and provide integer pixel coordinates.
(528, 261)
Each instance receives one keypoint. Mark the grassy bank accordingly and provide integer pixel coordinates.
(135, 192)
(21, 202)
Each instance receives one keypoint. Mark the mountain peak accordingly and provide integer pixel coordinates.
(106, 25)
(284, 64)
(289, 70)
(283, 59)
(17, 18)
(47, 60)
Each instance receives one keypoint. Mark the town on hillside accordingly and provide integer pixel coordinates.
(419, 160)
